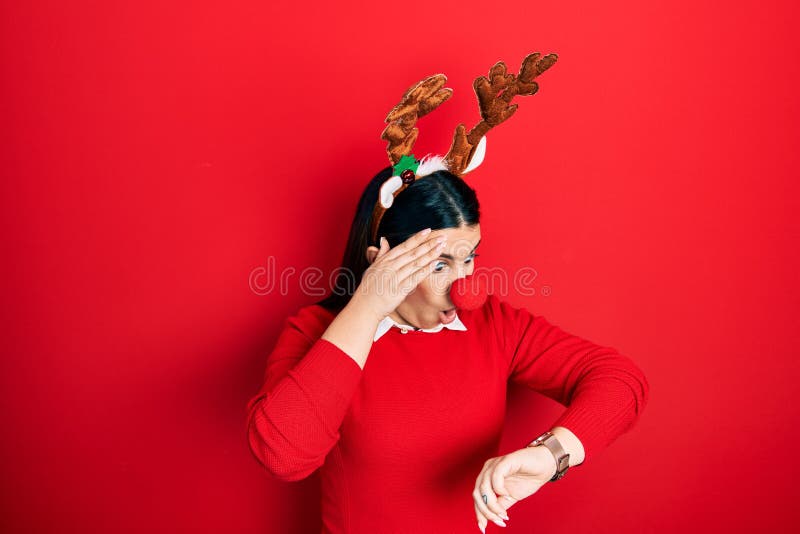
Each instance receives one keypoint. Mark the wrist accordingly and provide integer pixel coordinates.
(542, 456)
(571, 444)
(360, 305)
(549, 441)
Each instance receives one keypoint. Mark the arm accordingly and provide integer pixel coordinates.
(572, 445)
(293, 421)
(604, 391)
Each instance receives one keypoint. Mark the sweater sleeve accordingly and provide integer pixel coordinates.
(603, 390)
(294, 419)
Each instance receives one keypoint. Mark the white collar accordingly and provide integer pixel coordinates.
(387, 323)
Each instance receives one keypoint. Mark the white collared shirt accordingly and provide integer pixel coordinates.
(387, 323)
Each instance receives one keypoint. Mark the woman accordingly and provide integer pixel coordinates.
(398, 398)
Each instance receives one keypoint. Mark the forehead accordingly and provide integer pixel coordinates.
(460, 241)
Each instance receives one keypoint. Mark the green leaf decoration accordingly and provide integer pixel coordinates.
(406, 162)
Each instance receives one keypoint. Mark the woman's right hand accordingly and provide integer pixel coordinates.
(397, 271)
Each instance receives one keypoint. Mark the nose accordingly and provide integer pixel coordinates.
(463, 271)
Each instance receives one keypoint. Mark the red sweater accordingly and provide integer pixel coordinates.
(400, 443)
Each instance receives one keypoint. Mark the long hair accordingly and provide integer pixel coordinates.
(438, 200)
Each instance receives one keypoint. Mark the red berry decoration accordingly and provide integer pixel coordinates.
(469, 293)
(407, 176)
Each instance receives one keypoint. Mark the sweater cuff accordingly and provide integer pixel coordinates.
(598, 420)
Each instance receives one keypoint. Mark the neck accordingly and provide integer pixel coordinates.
(396, 316)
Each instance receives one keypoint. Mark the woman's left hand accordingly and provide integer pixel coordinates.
(505, 480)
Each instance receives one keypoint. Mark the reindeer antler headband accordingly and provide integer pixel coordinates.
(468, 149)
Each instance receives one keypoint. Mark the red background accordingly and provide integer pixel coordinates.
(154, 154)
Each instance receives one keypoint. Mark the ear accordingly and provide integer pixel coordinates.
(374, 252)
(371, 253)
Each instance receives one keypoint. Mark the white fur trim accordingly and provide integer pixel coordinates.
(387, 190)
(477, 157)
(430, 164)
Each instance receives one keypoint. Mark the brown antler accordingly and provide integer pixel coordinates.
(419, 100)
(494, 98)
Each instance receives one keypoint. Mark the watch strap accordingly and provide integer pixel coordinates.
(550, 441)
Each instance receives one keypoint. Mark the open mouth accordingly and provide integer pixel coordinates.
(447, 316)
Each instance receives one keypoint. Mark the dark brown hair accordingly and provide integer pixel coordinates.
(438, 200)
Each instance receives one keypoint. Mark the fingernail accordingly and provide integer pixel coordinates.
(426, 231)
(483, 529)
(504, 516)
(498, 522)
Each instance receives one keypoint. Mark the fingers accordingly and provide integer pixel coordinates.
(420, 257)
(507, 501)
(482, 521)
(418, 276)
(491, 500)
(384, 248)
(386, 279)
(498, 480)
(481, 518)
(410, 243)
(489, 507)
(406, 265)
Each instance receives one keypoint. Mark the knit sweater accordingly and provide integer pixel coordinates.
(400, 443)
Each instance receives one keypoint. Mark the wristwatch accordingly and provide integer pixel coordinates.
(549, 440)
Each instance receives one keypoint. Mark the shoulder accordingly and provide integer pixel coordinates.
(311, 321)
(499, 320)
(498, 312)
